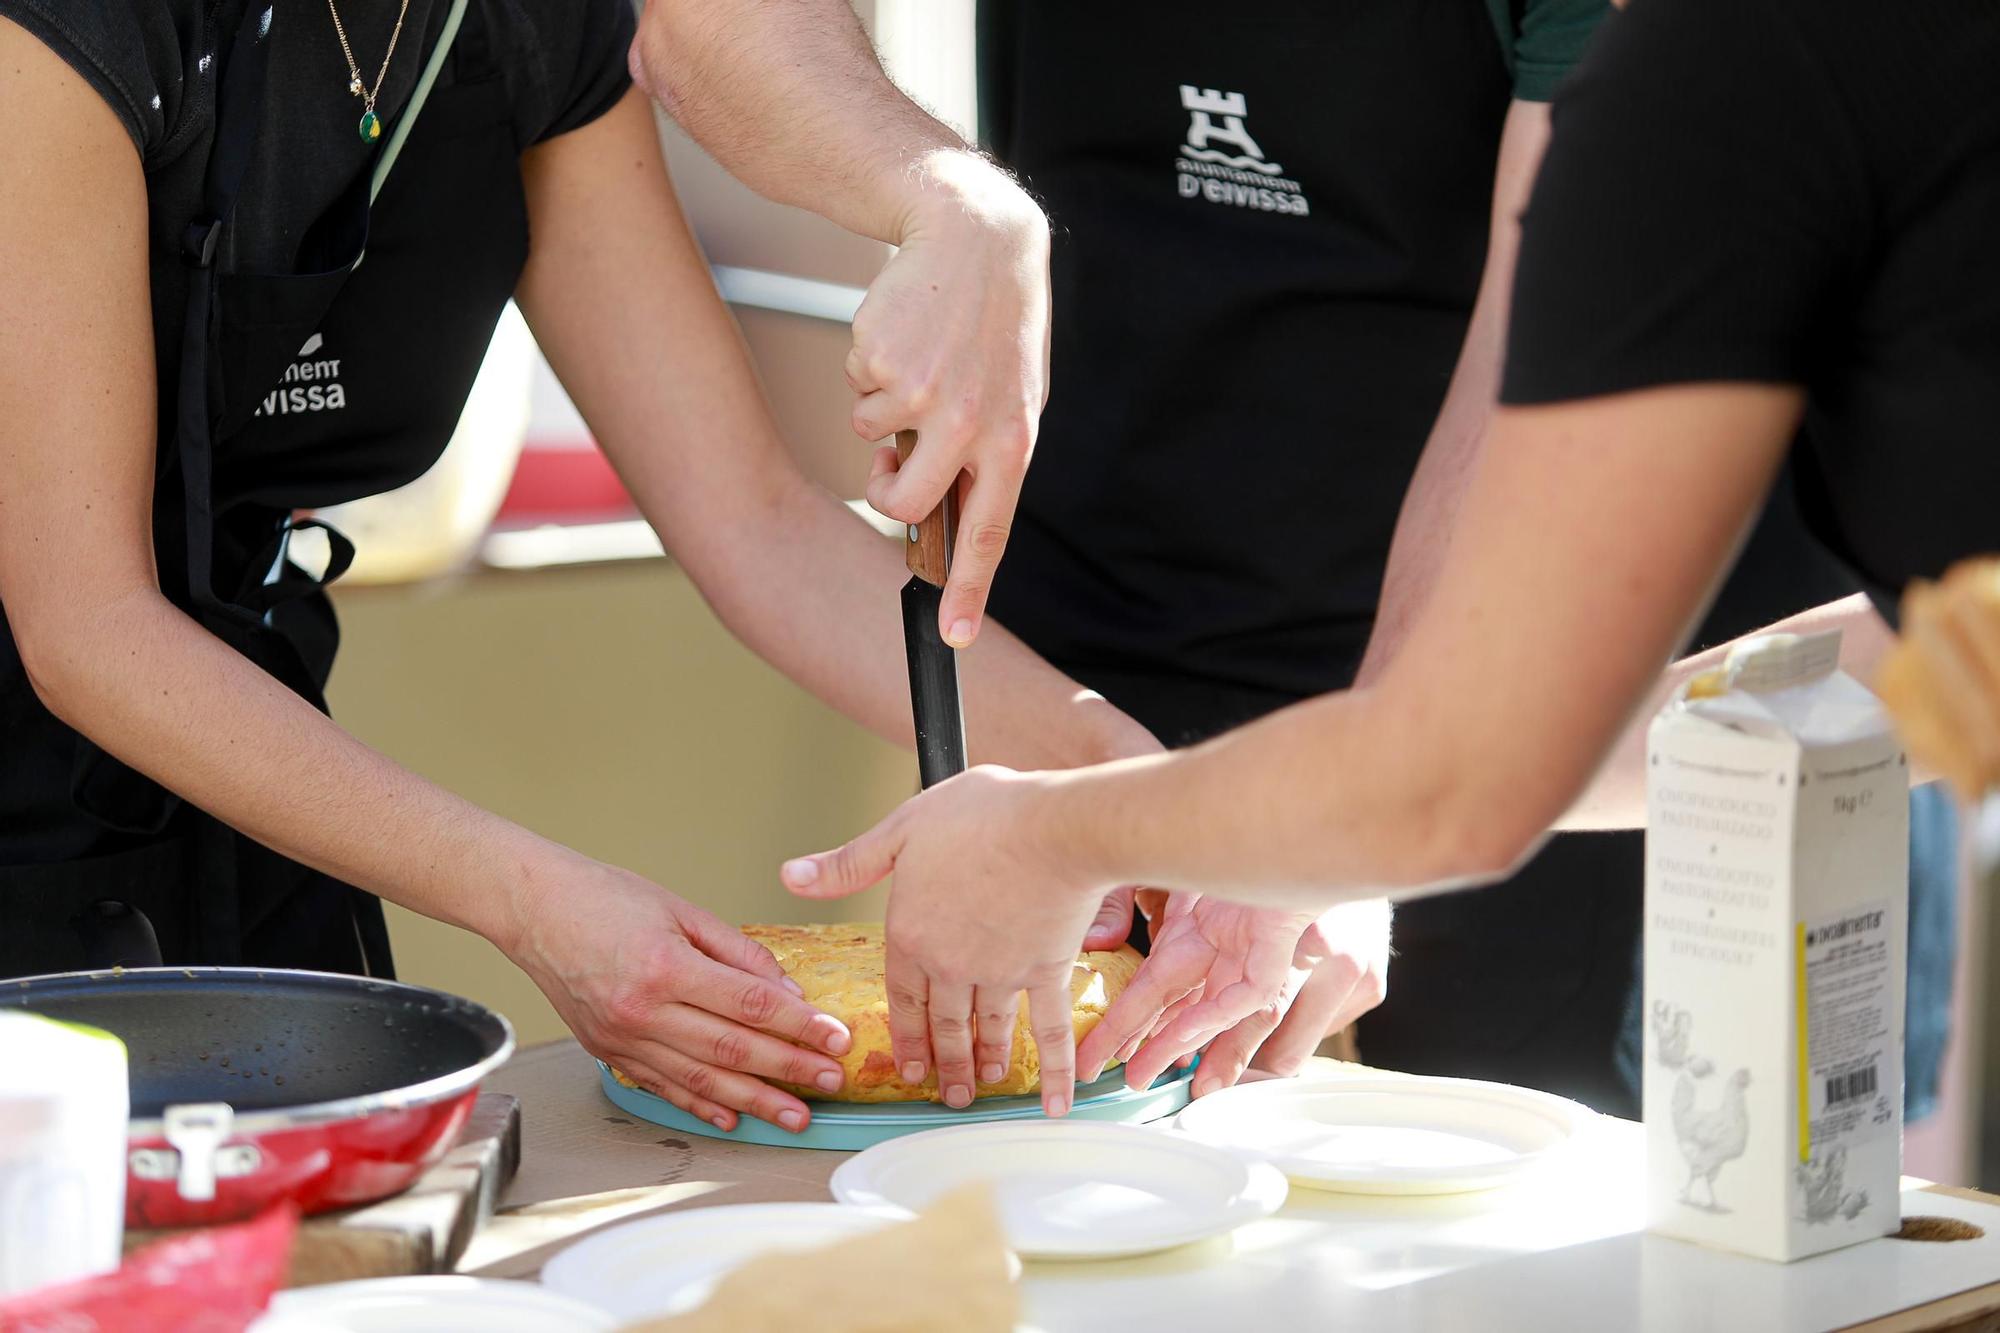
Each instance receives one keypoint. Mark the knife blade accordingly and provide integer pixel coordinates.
(934, 699)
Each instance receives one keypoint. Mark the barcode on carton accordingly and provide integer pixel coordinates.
(1851, 1086)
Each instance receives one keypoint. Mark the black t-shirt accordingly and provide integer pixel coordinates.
(563, 63)
(323, 399)
(1791, 191)
(1270, 222)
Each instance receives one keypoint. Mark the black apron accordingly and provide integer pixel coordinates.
(409, 286)
(1270, 224)
(1270, 227)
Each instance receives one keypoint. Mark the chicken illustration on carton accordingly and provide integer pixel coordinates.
(1777, 889)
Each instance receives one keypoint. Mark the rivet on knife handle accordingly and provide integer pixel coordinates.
(928, 552)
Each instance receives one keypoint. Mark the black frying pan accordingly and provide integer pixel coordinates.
(251, 1085)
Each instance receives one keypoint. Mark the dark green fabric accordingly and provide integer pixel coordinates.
(1542, 40)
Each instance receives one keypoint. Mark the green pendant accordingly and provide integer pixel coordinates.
(371, 127)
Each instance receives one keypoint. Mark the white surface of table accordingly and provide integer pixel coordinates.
(1562, 1250)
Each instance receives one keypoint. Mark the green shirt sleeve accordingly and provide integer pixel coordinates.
(1543, 39)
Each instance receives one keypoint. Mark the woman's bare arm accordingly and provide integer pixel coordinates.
(666, 990)
(621, 301)
(105, 650)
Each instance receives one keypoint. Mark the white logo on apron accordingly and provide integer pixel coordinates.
(1244, 178)
(309, 384)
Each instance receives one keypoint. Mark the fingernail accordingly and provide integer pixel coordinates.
(1058, 1105)
(958, 1096)
(913, 1072)
(1205, 1086)
(838, 1042)
(830, 1081)
(961, 633)
(992, 1074)
(720, 1122)
(801, 873)
(793, 986)
(1092, 1075)
(792, 1120)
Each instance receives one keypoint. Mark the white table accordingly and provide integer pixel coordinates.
(1563, 1250)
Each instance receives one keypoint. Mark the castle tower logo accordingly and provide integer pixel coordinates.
(1222, 163)
(1205, 104)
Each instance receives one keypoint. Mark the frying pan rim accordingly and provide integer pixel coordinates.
(408, 1097)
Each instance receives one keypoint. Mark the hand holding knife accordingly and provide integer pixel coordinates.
(936, 1011)
(934, 697)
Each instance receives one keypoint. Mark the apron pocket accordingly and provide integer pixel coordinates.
(45, 907)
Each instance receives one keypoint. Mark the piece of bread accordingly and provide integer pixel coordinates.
(1942, 681)
(945, 1271)
(839, 968)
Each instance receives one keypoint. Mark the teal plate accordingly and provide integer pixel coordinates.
(849, 1127)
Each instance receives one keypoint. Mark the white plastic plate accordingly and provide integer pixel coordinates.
(1066, 1190)
(1400, 1135)
(430, 1305)
(670, 1264)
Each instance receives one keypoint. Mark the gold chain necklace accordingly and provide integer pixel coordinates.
(371, 124)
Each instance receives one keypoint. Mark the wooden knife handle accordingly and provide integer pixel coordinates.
(928, 551)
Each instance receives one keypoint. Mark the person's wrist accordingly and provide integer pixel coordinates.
(1366, 914)
(949, 188)
(1071, 839)
(1112, 734)
(538, 872)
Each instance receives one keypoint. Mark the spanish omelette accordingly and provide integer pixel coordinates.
(839, 968)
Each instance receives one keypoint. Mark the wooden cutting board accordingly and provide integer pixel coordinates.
(422, 1230)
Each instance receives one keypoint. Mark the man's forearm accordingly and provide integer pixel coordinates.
(1430, 508)
(790, 97)
(951, 340)
(1325, 802)
(1453, 766)
(1616, 798)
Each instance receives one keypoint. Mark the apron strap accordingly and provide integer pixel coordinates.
(239, 113)
(407, 121)
(282, 580)
(99, 784)
(239, 117)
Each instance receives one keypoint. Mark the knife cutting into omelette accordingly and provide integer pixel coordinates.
(923, 1022)
(938, 715)
(841, 968)
(935, 705)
